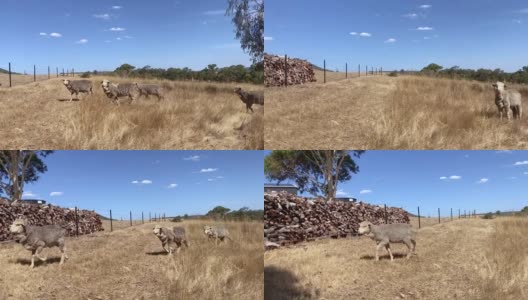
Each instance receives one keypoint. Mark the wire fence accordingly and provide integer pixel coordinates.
(45, 73)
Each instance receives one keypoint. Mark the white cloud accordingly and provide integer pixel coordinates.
(103, 16)
(55, 34)
(365, 191)
(455, 177)
(268, 38)
(214, 12)
(146, 181)
(521, 163)
(353, 33)
(82, 41)
(135, 182)
(119, 39)
(117, 29)
(410, 15)
(208, 170)
(117, 7)
(426, 6)
(29, 194)
(192, 158)
(483, 180)
(443, 178)
(172, 185)
(424, 28)
(525, 173)
(365, 34)
(53, 194)
(390, 41)
(43, 34)
(341, 193)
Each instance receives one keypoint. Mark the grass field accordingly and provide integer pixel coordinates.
(463, 259)
(194, 115)
(131, 264)
(382, 112)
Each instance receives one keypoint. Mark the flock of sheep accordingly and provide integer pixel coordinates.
(36, 238)
(116, 90)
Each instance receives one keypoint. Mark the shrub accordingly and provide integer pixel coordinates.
(176, 219)
(487, 216)
(393, 74)
(86, 75)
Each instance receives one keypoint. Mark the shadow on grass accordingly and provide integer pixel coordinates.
(68, 100)
(38, 262)
(157, 253)
(282, 284)
(382, 257)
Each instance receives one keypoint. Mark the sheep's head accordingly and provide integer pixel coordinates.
(238, 90)
(157, 230)
(18, 226)
(105, 83)
(208, 230)
(499, 88)
(364, 227)
(66, 82)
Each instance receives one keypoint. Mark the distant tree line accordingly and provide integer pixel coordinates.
(243, 214)
(520, 76)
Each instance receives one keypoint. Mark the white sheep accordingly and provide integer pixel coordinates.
(507, 100)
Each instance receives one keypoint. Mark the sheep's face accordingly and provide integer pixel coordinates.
(499, 88)
(364, 227)
(105, 83)
(18, 227)
(208, 230)
(66, 82)
(157, 230)
(238, 90)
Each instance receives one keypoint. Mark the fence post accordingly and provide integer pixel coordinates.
(130, 218)
(451, 214)
(286, 70)
(459, 213)
(366, 70)
(142, 220)
(465, 214)
(73, 73)
(76, 222)
(419, 225)
(324, 69)
(386, 217)
(34, 73)
(346, 70)
(150, 217)
(439, 215)
(111, 224)
(9, 74)
(381, 70)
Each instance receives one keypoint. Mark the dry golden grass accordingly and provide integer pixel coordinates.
(194, 115)
(382, 112)
(19, 79)
(131, 264)
(449, 264)
(333, 76)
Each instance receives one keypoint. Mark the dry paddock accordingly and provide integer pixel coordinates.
(131, 264)
(383, 112)
(462, 259)
(193, 115)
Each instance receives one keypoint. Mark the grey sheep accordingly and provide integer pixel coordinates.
(217, 232)
(150, 89)
(250, 98)
(507, 100)
(78, 86)
(167, 236)
(385, 234)
(114, 91)
(36, 238)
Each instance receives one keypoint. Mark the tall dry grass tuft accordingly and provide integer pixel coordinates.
(507, 259)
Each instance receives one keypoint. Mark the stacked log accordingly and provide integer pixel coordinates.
(89, 221)
(299, 71)
(289, 219)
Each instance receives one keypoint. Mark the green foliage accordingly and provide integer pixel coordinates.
(238, 73)
(243, 214)
(525, 209)
(176, 219)
(488, 216)
(218, 212)
(248, 18)
(393, 74)
(498, 212)
(315, 172)
(85, 75)
(434, 68)
(485, 75)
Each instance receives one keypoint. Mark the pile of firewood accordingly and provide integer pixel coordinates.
(88, 221)
(299, 71)
(289, 219)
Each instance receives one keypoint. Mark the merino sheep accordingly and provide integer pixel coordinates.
(217, 232)
(250, 98)
(506, 100)
(35, 238)
(114, 91)
(78, 86)
(389, 233)
(166, 236)
(150, 89)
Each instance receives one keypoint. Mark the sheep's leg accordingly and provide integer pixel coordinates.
(37, 253)
(387, 246)
(71, 96)
(380, 245)
(409, 248)
(508, 113)
(33, 258)
(164, 245)
(519, 111)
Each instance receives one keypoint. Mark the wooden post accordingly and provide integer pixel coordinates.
(459, 213)
(346, 70)
(111, 225)
(366, 70)
(150, 217)
(130, 218)
(76, 222)
(57, 72)
(34, 73)
(62, 72)
(386, 217)
(324, 69)
(142, 220)
(10, 75)
(286, 70)
(464, 213)
(73, 73)
(419, 225)
(372, 70)
(439, 215)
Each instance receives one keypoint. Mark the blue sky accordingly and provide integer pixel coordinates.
(400, 34)
(481, 180)
(171, 182)
(102, 35)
